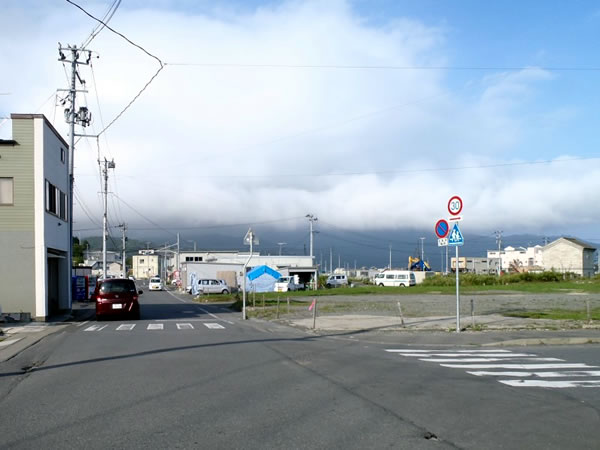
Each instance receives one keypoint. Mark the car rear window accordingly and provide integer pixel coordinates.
(155, 280)
(117, 286)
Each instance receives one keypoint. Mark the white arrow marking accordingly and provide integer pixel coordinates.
(551, 384)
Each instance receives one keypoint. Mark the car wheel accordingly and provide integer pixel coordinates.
(99, 317)
(224, 292)
(328, 285)
(136, 315)
(381, 284)
(402, 285)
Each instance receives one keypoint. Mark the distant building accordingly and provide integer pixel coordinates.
(569, 255)
(145, 265)
(477, 265)
(91, 256)
(35, 261)
(517, 259)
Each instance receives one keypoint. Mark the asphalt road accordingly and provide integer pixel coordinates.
(195, 376)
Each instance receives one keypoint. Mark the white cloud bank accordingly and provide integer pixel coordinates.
(213, 144)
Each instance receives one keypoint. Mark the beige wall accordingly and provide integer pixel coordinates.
(565, 256)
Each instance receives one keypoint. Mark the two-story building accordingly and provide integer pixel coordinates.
(35, 264)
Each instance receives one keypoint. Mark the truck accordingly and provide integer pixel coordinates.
(288, 283)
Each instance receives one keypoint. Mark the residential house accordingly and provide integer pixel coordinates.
(146, 264)
(569, 255)
(35, 260)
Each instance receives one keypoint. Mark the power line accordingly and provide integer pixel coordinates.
(109, 14)
(381, 67)
(116, 32)
(143, 216)
(431, 169)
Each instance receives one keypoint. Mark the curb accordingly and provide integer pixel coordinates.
(543, 341)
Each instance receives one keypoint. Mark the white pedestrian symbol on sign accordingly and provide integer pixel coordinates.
(456, 237)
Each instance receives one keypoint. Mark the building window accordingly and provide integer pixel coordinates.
(6, 191)
(56, 201)
(62, 155)
(198, 258)
(141, 260)
(63, 206)
(189, 258)
(50, 197)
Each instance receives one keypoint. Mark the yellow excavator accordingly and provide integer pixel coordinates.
(415, 264)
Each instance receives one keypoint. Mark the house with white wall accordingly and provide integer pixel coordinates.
(570, 255)
(35, 261)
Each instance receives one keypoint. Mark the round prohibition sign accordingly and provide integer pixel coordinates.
(455, 205)
(441, 229)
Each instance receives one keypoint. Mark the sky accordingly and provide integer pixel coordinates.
(369, 115)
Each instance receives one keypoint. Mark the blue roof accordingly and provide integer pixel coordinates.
(261, 270)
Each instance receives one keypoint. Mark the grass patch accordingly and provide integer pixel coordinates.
(555, 314)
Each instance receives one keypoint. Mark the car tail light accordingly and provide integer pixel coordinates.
(135, 297)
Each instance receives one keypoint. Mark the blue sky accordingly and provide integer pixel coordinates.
(270, 143)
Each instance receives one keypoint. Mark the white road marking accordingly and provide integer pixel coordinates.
(185, 326)
(485, 359)
(82, 324)
(126, 327)
(551, 384)
(214, 316)
(155, 326)
(9, 341)
(519, 366)
(173, 295)
(214, 326)
(26, 329)
(404, 350)
(565, 374)
(486, 355)
(92, 328)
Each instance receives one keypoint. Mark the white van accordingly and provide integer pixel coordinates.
(336, 281)
(402, 278)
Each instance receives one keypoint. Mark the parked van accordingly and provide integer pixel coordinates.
(402, 278)
(336, 280)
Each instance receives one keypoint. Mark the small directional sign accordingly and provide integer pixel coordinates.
(455, 237)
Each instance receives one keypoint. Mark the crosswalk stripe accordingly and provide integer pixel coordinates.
(551, 384)
(214, 326)
(185, 326)
(155, 326)
(126, 327)
(565, 374)
(483, 355)
(519, 366)
(404, 350)
(506, 364)
(462, 360)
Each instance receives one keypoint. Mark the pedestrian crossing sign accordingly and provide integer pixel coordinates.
(455, 237)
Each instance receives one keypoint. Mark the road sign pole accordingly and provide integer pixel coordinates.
(457, 294)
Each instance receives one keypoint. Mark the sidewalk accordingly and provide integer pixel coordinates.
(489, 330)
(18, 336)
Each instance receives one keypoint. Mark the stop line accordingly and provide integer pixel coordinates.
(511, 368)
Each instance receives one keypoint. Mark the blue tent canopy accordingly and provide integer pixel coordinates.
(261, 270)
(262, 279)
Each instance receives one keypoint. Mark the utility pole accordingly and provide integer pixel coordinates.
(311, 218)
(330, 260)
(177, 258)
(422, 250)
(281, 244)
(498, 234)
(124, 264)
(107, 165)
(82, 117)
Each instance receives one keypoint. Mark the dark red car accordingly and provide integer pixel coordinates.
(117, 297)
